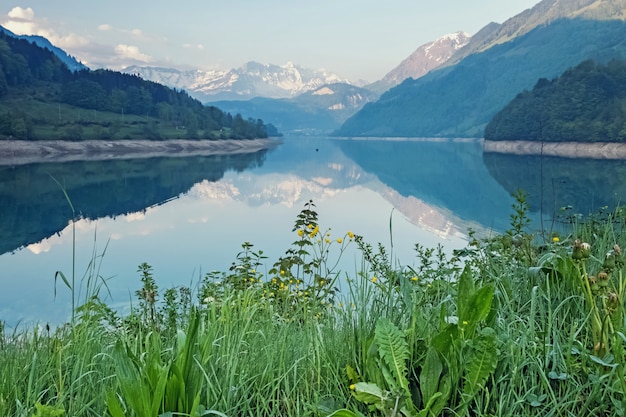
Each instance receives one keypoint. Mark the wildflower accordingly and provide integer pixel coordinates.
(555, 239)
(282, 272)
(414, 279)
(253, 271)
(582, 250)
(352, 387)
(300, 232)
(327, 240)
(465, 322)
(339, 240)
(374, 279)
(350, 235)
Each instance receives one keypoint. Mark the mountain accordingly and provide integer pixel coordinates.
(426, 58)
(542, 13)
(585, 104)
(460, 99)
(71, 62)
(248, 81)
(40, 98)
(318, 111)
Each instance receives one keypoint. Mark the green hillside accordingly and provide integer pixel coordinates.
(460, 100)
(585, 104)
(41, 99)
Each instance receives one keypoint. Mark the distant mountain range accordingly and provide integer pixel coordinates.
(499, 62)
(248, 81)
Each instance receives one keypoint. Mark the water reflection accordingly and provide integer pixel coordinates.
(552, 182)
(33, 206)
(188, 216)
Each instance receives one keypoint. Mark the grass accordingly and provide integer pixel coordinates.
(505, 327)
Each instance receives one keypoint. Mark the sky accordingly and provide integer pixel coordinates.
(358, 40)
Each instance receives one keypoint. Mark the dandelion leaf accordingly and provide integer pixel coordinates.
(481, 362)
(394, 351)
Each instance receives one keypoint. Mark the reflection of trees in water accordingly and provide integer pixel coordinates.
(441, 173)
(33, 207)
(552, 182)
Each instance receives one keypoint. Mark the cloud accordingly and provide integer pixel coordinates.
(192, 46)
(23, 22)
(131, 52)
(21, 14)
(105, 27)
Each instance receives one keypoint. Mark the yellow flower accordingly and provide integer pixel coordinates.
(465, 322)
(339, 240)
(352, 387)
(300, 232)
(414, 279)
(555, 239)
(374, 279)
(350, 235)
(327, 240)
(253, 271)
(282, 272)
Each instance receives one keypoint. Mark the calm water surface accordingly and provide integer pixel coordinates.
(189, 216)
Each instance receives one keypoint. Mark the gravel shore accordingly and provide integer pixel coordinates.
(594, 150)
(17, 152)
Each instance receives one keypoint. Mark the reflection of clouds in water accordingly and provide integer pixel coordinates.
(137, 216)
(207, 190)
(82, 226)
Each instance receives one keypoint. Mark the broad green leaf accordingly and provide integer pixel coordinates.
(477, 308)
(465, 289)
(368, 393)
(443, 340)
(431, 372)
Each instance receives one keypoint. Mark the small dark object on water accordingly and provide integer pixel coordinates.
(317, 149)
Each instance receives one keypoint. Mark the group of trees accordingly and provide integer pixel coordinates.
(586, 103)
(25, 66)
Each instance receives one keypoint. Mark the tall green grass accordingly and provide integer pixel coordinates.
(503, 327)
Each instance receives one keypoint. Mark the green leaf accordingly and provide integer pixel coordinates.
(465, 289)
(482, 361)
(368, 393)
(343, 413)
(431, 372)
(477, 307)
(394, 352)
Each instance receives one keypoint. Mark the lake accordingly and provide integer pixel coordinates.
(189, 216)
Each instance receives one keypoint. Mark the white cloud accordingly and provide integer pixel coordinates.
(136, 32)
(21, 14)
(105, 27)
(131, 52)
(192, 46)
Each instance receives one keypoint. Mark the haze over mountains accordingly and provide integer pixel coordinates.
(449, 87)
(499, 62)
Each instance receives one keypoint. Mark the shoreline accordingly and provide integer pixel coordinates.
(592, 150)
(21, 152)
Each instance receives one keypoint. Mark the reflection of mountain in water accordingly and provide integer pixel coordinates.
(552, 182)
(447, 174)
(33, 207)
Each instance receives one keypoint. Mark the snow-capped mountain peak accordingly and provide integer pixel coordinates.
(425, 58)
(251, 80)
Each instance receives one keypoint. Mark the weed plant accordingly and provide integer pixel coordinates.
(517, 324)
